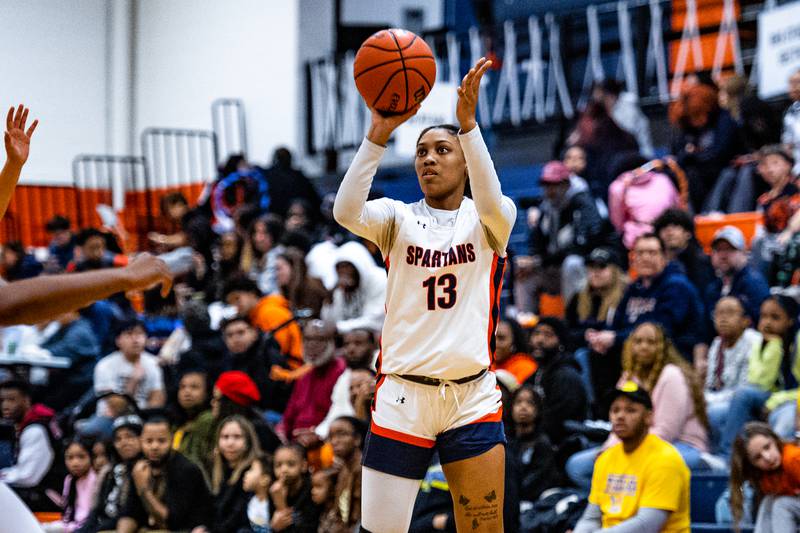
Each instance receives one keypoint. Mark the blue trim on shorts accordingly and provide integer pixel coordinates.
(469, 441)
(396, 458)
(408, 461)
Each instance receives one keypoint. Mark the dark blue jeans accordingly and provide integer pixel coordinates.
(746, 405)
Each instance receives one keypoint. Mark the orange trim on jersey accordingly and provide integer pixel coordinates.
(497, 416)
(495, 286)
(402, 437)
(378, 382)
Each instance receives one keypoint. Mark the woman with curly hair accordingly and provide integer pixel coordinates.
(679, 413)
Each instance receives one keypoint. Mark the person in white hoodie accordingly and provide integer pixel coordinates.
(359, 297)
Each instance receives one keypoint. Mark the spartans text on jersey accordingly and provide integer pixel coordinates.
(456, 255)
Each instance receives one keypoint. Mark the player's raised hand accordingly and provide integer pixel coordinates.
(17, 139)
(382, 126)
(468, 95)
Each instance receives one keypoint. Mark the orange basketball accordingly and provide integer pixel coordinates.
(394, 70)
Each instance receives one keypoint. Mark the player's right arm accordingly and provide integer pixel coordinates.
(17, 142)
(34, 300)
(351, 209)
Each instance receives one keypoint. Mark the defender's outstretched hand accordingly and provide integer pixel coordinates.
(146, 271)
(17, 139)
(468, 95)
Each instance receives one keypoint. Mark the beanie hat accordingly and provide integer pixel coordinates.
(555, 172)
(238, 387)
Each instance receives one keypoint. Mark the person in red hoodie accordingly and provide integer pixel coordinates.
(35, 468)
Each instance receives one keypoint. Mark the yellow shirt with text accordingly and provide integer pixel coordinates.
(653, 476)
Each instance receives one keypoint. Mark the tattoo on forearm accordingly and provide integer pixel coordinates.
(480, 512)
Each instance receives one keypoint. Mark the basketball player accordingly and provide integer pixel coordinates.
(445, 255)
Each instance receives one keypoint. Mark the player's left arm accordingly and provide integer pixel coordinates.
(497, 212)
(18, 142)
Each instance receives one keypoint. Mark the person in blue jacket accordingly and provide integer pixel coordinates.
(662, 294)
(734, 277)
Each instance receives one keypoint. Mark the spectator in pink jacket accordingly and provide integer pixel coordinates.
(637, 197)
(679, 410)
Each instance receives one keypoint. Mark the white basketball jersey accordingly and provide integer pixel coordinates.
(442, 300)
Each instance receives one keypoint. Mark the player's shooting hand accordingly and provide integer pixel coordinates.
(17, 140)
(147, 271)
(382, 126)
(468, 95)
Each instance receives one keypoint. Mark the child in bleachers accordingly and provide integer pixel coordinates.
(323, 493)
(293, 510)
(80, 486)
(100, 460)
(257, 481)
(778, 204)
(728, 359)
(347, 437)
(773, 469)
(771, 368)
(116, 483)
(530, 451)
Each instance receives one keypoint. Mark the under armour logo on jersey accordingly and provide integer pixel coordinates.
(401, 399)
(423, 224)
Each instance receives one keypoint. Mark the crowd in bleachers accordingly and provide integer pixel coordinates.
(240, 402)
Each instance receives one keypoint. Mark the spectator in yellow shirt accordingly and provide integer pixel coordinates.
(642, 483)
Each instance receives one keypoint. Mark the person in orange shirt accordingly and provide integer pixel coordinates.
(512, 353)
(270, 314)
(773, 468)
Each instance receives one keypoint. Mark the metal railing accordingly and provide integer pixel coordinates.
(105, 179)
(228, 123)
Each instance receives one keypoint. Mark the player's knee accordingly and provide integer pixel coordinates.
(381, 526)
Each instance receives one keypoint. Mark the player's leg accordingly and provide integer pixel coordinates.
(397, 452)
(472, 453)
(386, 501)
(477, 487)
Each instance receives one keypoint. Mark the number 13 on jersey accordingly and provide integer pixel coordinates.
(447, 284)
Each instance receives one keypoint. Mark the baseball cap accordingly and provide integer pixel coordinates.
(632, 391)
(554, 172)
(600, 257)
(132, 422)
(732, 235)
